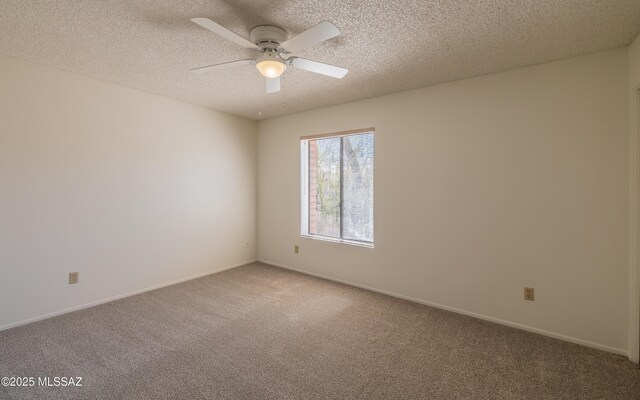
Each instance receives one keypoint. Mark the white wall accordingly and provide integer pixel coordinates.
(130, 189)
(483, 186)
(634, 271)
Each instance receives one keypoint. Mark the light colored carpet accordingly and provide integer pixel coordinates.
(261, 332)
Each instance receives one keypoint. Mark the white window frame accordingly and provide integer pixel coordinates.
(304, 187)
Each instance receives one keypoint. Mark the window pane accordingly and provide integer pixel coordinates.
(357, 213)
(324, 187)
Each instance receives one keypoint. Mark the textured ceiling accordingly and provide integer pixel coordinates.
(388, 45)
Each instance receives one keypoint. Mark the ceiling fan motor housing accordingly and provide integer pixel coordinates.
(267, 36)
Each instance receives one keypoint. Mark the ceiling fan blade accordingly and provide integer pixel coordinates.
(318, 68)
(273, 85)
(323, 31)
(229, 64)
(224, 32)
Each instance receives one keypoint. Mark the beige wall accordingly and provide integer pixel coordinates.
(483, 186)
(634, 272)
(130, 189)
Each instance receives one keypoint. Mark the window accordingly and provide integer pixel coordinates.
(337, 187)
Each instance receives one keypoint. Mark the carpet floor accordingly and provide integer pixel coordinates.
(261, 332)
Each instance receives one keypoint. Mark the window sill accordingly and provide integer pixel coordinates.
(341, 241)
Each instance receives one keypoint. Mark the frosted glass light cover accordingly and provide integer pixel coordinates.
(271, 68)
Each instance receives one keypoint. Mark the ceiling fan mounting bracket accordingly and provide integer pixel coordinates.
(267, 36)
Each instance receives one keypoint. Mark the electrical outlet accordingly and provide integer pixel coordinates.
(296, 249)
(73, 278)
(529, 294)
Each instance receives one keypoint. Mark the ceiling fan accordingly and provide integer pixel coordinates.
(274, 49)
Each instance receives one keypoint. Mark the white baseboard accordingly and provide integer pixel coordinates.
(459, 311)
(118, 297)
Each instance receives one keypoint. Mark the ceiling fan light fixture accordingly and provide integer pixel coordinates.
(271, 67)
(271, 43)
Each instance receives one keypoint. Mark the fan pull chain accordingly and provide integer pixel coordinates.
(284, 88)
